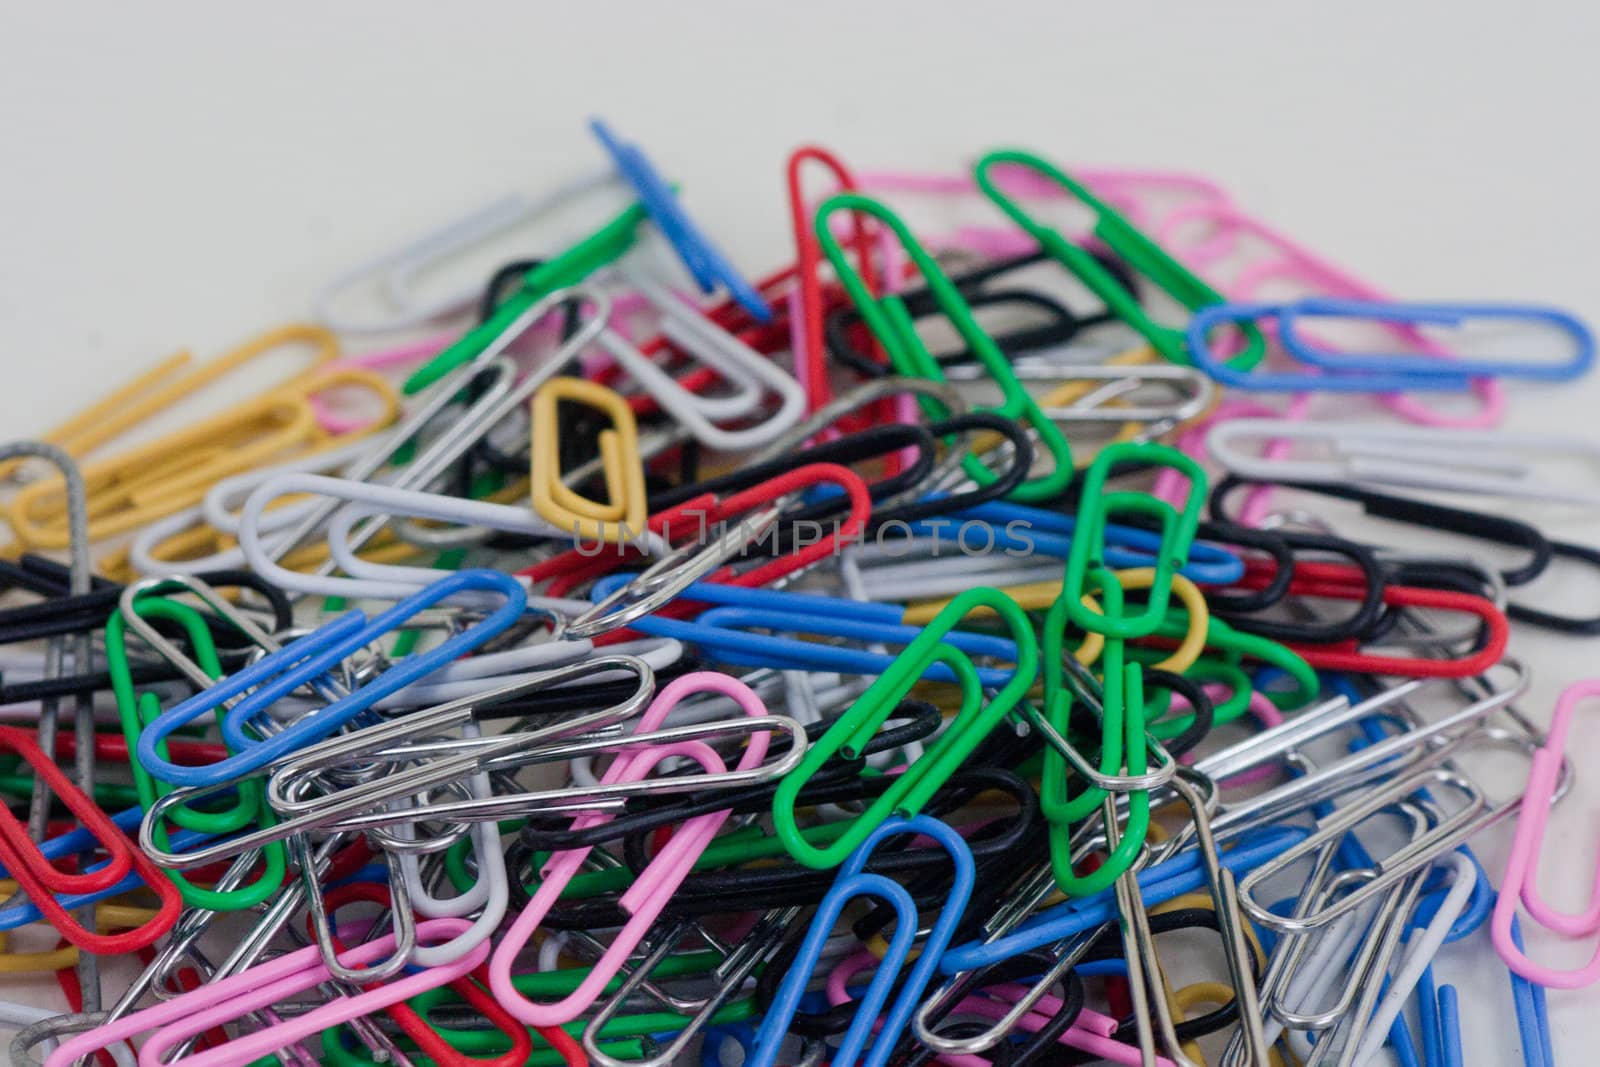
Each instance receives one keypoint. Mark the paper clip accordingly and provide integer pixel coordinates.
(807, 325)
(747, 370)
(1545, 774)
(395, 272)
(649, 894)
(568, 268)
(1460, 461)
(275, 676)
(852, 882)
(1339, 371)
(176, 1021)
(40, 880)
(1126, 240)
(147, 394)
(978, 715)
(890, 322)
(1085, 563)
(174, 472)
(698, 254)
(625, 510)
(138, 602)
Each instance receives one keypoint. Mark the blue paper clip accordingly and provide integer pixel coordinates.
(1200, 351)
(275, 676)
(722, 632)
(1410, 363)
(1125, 546)
(1383, 372)
(699, 255)
(853, 882)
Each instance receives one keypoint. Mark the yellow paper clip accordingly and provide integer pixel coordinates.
(616, 519)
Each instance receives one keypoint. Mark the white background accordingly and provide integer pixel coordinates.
(183, 175)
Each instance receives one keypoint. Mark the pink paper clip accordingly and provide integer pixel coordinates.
(1545, 775)
(176, 1021)
(649, 894)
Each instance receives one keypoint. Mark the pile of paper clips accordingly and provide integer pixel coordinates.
(873, 665)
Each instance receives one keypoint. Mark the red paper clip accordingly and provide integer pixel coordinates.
(34, 874)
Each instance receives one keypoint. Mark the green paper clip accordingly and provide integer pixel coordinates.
(972, 723)
(604, 246)
(1127, 241)
(892, 325)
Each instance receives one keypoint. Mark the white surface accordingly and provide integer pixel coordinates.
(183, 175)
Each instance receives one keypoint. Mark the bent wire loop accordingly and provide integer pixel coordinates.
(174, 1022)
(886, 316)
(1142, 253)
(1520, 882)
(275, 676)
(40, 880)
(980, 712)
(872, 1022)
(650, 892)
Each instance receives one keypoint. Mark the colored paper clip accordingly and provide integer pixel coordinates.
(978, 715)
(891, 324)
(1126, 240)
(40, 880)
(139, 602)
(1293, 263)
(1462, 461)
(394, 273)
(1411, 314)
(1336, 370)
(722, 632)
(876, 1019)
(174, 472)
(1085, 563)
(806, 322)
(568, 268)
(1546, 775)
(625, 510)
(745, 369)
(699, 255)
(649, 894)
(148, 395)
(275, 676)
(1124, 748)
(174, 1022)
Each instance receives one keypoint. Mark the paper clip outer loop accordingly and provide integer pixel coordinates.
(645, 899)
(852, 882)
(1085, 560)
(134, 709)
(891, 323)
(624, 515)
(1442, 376)
(26, 865)
(1126, 240)
(181, 1018)
(917, 783)
(275, 676)
(1451, 314)
(1519, 883)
